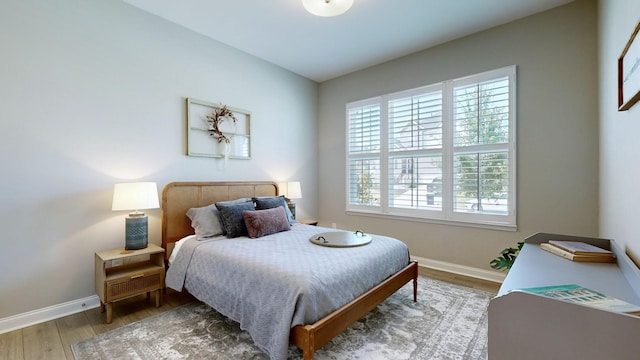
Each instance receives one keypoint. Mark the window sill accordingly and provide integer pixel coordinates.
(473, 224)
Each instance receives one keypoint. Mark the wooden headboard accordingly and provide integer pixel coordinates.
(178, 197)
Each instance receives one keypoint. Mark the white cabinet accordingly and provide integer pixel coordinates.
(528, 326)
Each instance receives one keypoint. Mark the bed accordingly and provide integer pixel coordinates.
(303, 330)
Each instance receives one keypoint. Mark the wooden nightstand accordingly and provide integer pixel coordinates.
(121, 275)
(308, 222)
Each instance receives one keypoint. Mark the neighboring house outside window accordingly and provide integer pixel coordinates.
(444, 152)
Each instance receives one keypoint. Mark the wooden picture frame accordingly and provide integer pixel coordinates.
(200, 141)
(629, 73)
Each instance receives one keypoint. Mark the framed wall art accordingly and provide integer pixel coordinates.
(629, 73)
(217, 130)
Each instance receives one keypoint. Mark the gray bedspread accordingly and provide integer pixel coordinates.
(273, 283)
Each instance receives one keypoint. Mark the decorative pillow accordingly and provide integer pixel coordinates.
(236, 201)
(205, 221)
(231, 217)
(265, 222)
(270, 202)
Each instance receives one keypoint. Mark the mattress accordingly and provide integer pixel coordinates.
(275, 282)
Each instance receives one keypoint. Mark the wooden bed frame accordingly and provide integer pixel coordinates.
(178, 197)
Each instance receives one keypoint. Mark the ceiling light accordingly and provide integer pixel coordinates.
(327, 7)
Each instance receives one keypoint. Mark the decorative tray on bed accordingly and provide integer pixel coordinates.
(341, 239)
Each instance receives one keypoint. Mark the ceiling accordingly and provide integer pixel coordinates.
(371, 32)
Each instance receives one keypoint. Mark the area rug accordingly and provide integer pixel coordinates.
(447, 322)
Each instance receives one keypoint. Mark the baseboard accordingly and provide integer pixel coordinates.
(75, 306)
(48, 313)
(488, 275)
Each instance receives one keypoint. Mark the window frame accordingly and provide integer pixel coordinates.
(446, 214)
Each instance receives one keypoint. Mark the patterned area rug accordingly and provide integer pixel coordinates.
(447, 322)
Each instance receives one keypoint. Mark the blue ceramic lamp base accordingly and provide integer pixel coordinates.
(136, 232)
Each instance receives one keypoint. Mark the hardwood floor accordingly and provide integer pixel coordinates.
(473, 283)
(52, 340)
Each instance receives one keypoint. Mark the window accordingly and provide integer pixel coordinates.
(443, 152)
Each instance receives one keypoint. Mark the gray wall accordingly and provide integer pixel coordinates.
(93, 93)
(555, 53)
(619, 146)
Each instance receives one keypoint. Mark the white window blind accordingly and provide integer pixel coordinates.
(481, 146)
(415, 148)
(364, 154)
(443, 152)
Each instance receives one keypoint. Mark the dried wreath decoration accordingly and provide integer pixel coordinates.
(216, 119)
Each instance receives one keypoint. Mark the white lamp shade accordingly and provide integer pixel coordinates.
(293, 190)
(290, 189)
(135, 196)
(327, 8)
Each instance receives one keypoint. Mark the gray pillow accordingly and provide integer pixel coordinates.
(205, 221)
(270, 202)
(236, 201)
(232, 219)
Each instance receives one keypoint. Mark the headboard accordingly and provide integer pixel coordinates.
(178, 197)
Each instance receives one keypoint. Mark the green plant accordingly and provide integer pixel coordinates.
(506, 258)
(365, 184)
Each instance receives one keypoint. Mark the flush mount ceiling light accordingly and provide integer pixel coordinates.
(327, 7)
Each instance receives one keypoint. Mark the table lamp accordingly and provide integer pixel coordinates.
(292, 191)
(135, 196)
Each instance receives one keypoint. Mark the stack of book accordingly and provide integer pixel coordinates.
(579, 251)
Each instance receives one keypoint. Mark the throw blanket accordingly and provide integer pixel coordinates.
(273, 283)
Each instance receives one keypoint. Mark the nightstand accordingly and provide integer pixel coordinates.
(308, 222)
(121, 274)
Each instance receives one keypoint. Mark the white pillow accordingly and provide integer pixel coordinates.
(205, 221)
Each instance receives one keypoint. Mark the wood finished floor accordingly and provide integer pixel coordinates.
(52, 340)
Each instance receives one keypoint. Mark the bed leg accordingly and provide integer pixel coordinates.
(307, 355)
(304, 338)
(415, 283)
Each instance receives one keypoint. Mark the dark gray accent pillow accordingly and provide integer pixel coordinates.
(232, 219)
(270, 202)
(205, 221)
